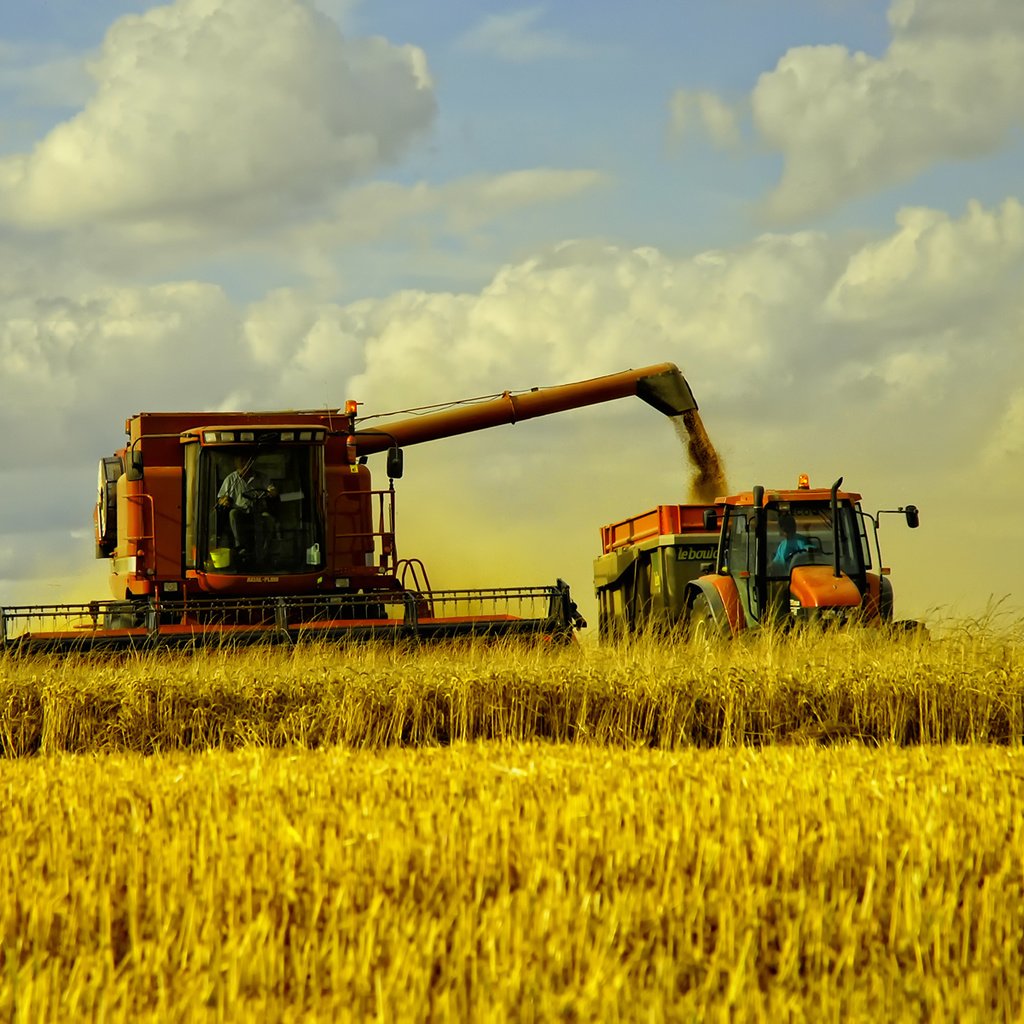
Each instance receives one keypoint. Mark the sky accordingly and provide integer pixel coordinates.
(813, 207)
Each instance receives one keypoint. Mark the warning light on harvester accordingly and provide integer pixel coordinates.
(351, 407)
(803, 482)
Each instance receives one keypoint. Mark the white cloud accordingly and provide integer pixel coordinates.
(310, 348)
(223, 126)
(67, 363)
(1006, 445)
(848, 124)
(341, 11)
(933, 262)
(221, 111)
(718, 119)
(921, 17)
(917, 373)
(517, 37)
(382, 208)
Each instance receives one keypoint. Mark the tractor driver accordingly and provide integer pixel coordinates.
(242, 492)
(791, 544)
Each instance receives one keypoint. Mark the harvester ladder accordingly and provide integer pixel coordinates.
(385, 530)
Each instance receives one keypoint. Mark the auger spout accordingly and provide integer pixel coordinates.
(661, 386)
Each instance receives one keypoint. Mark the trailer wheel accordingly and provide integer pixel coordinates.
(701, 625)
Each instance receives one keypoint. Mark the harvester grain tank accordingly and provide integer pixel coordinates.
(761, 557)
(239, 526)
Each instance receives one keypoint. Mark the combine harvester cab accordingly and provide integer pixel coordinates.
(755, 559)
(239, 527)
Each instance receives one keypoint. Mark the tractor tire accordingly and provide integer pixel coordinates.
(701, 627)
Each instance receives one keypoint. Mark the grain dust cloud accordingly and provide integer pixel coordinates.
(707, 471)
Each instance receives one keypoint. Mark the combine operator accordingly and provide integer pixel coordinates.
(245, 492)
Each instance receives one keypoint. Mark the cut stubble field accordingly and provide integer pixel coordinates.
(819, 829)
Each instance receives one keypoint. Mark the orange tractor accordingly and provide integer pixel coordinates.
(762, 557)
(233, 527)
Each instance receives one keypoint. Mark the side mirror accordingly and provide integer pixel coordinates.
(913, 518)
(710, 519)
(395, 460)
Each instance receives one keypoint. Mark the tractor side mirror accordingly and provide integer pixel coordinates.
(395, 461)
(913, 518)
(710, 519)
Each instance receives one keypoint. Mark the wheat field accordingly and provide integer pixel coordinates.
(515, 882)
(965, 688)
(829, 828)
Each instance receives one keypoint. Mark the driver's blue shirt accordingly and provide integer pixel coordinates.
(789, 547)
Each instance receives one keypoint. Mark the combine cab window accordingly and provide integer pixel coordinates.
(258, 509)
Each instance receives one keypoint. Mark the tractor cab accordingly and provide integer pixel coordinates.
(787, 556)
(796, 553)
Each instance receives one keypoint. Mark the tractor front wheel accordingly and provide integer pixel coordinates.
(701, 625)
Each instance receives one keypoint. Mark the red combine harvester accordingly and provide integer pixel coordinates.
(237, 527)
(749, 560)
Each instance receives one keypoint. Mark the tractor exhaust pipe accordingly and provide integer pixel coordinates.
(760, 551)
(835, 528)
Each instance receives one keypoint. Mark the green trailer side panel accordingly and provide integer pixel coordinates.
(645, 584)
